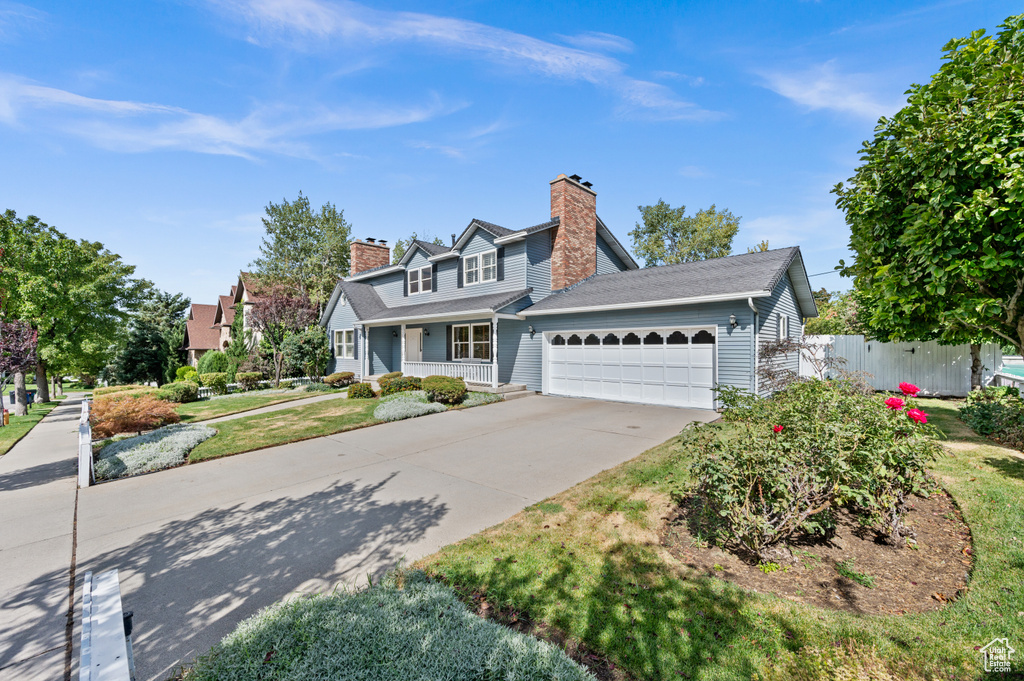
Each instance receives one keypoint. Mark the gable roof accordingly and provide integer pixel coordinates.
(750, 275)
(225, 310)
(430, 249)
(200, 333)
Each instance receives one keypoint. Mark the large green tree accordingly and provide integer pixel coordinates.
(152, 350)
(668, 235)
(77, 295)
(935, 207)
(304, 250)
(837, 314)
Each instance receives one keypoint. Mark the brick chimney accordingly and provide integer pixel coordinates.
(574, 241)
(366, 255)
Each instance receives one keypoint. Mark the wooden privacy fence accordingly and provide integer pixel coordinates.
(943, 370)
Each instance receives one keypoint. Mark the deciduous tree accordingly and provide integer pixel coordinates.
(305, 251)
(17, 355)
(935, 208)
(669, 236)
(276, 314)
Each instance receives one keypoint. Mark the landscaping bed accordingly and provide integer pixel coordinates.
(589, 563)
(856, 570)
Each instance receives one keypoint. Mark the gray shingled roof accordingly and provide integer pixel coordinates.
(430, 248)
(369, 307)
(715, 277)
(494, 229)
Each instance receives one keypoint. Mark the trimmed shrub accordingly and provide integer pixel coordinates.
(217, 381)
(319, 388)
(179, 391)
(361, 391)
(444, 389)
(111, 390)
(248, 380)
(130, 414)
(400, 385)
(182, 373)
(162, 448)
(340, 379)
(287, 384)
(214, 362)
(387, 378)
(475, 399)
(405, 627)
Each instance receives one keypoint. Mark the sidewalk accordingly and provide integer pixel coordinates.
(37, 505)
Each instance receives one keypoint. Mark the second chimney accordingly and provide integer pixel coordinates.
(574, 240)
(366, 255)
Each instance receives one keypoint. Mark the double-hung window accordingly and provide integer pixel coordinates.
(420, 280)
(471, 341)
(480, 268)
(345, 344)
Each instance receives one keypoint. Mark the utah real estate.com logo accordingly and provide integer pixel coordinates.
(997, 655)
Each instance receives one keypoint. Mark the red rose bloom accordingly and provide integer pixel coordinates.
(909, 389)
(778, 429)
(917, 415)
(894, 403)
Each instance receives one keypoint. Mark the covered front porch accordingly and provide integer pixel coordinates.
(461, 348)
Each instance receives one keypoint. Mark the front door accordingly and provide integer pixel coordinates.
(414, 345)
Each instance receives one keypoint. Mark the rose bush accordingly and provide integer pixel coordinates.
(838, 448)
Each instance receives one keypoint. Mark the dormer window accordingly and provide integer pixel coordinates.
(420, 280)
(482, 267)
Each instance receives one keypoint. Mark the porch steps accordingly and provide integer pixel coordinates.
(518, 394)
(501, 389)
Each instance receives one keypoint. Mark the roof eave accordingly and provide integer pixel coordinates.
(373, 273)
(443, 256)
(669, 302)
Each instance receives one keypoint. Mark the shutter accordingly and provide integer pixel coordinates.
(405, 285)
(500, 257)
(458, 274)
(433, 277)
(448, 342)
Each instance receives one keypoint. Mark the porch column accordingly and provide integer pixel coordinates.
(365, 364)
(402, 367)
(494, 352)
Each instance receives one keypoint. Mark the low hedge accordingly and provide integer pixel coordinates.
(248, 380)
(319, 388)
(399, 385)
(218, 381)
(340, 379)
(444, 389)
(179, 391)
(361, 391)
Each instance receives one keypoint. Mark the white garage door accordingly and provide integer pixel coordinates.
(653, 366)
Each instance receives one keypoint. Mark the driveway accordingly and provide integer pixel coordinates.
(200, 548)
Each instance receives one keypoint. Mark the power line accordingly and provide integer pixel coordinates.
(821, 273)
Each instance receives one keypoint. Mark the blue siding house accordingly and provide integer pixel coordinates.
(563, 309)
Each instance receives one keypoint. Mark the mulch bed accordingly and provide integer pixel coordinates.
(905, 580)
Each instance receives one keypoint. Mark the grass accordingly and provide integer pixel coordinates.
(259, 431)
(846, 569)
(202, 410)
(597, 572)
(21, 425)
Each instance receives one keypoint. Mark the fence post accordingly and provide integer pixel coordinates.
(85, 473)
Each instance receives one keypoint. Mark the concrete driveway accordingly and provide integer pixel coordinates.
(202, 547)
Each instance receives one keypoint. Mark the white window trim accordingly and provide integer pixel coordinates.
(346, 348)
(419, 280)
(490, 342)
(783, 327)
(479, 269)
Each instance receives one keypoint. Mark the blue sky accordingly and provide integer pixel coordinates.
(163, 129)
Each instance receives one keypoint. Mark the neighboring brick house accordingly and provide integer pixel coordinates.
(562, 308)
(225, 317)
(244, 294)
(201, 335)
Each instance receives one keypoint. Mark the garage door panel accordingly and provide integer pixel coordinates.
(658, 366)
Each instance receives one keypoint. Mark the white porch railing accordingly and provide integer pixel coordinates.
(471, 373)
(1008, 379)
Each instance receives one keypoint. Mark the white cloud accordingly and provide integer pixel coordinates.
(601, 42)
(347, 23)
(824, 87)
(15, 17)
(121, 125)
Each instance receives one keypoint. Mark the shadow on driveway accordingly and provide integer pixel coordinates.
(190, 581)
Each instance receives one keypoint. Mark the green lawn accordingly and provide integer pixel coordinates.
(588, 562)
(21, 425)
(235, 404)
(248, 433)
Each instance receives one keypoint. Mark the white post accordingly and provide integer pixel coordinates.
(84, 447)
(402, 367)
(494, 352)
